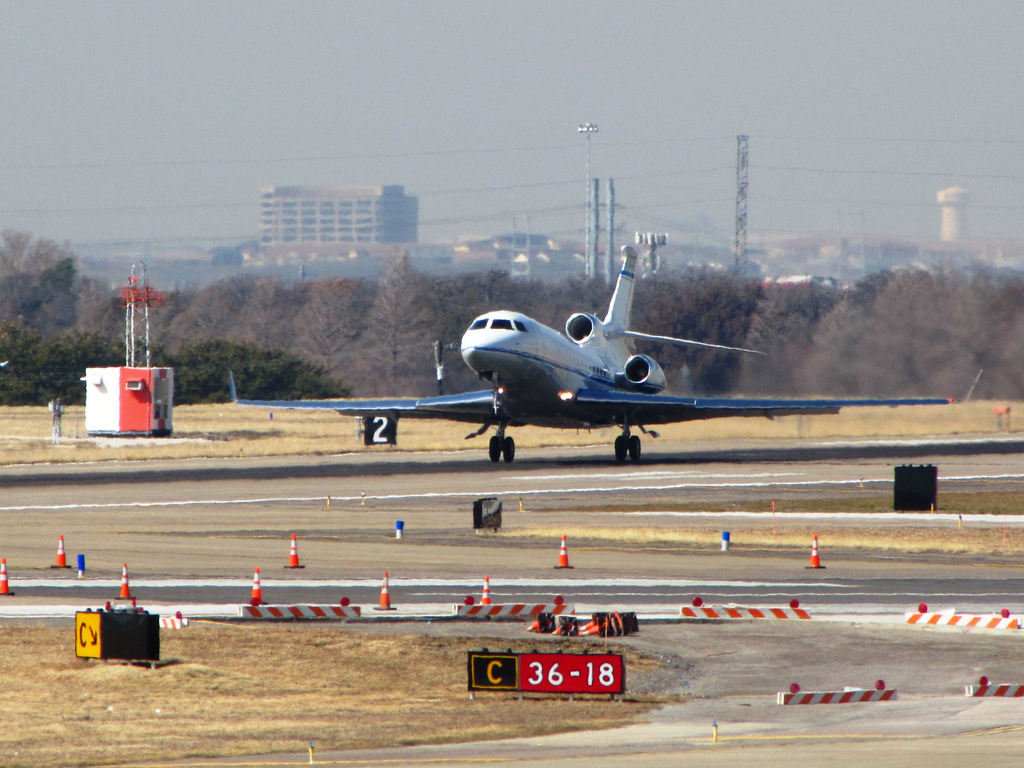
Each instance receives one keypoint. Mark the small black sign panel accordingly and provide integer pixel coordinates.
(380, 430)
(487, 513)
(493, 671)
(915, 488)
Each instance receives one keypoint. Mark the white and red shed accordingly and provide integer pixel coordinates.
(129, 401)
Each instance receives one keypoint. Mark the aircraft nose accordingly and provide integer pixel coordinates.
(474, 356)
(482, 355)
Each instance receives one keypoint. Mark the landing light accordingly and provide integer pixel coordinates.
(565, 396)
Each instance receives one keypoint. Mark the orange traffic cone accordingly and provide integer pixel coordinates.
(5, 587)
(293, 556)
(257, 591)
(125, 592)
(563, 556)
(486, 599)
(815, 560)
(62, 559)
(385, 598)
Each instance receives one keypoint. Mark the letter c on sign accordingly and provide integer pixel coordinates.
(490, 672)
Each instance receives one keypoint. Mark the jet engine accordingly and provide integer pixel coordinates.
(581, 327)
(643, 373)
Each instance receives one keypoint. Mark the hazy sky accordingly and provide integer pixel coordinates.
(127, 121)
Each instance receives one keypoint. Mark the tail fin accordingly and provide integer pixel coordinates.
(619, 308)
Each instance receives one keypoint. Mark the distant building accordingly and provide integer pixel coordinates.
(322, 215)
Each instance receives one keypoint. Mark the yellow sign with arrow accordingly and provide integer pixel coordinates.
(88, 644)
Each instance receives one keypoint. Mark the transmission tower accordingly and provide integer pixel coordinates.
(740, 248)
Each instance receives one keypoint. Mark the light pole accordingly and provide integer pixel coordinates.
(587, 129)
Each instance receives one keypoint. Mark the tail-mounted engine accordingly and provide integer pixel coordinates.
(581, 327)
(643, 374)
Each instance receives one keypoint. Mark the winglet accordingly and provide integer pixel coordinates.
(231, 387)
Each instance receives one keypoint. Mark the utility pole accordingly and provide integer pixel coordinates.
(587, 129)
(609, 260)
(740, 248)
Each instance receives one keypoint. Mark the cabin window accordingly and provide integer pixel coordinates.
(479, 324)
(520, 325)
(501, 324)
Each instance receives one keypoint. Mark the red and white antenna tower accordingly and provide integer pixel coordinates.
(134, 296)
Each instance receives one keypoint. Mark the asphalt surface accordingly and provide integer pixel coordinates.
(192, 533)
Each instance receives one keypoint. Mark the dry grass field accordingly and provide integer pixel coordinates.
(832, 538)
(230, 430)
(943, 536)
(239, 689)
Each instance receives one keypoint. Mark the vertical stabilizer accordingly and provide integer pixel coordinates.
(619, 308)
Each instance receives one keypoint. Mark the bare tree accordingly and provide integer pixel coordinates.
(333, 317)
(399, 333)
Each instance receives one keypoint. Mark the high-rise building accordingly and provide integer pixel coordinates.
(294, 215)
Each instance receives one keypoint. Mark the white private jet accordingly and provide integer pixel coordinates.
(588, 378)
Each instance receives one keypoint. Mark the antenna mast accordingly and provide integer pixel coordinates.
(134, 296)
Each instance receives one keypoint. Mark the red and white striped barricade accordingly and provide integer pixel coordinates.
(486, 611)
(172, 622)
(739, 612)
(849, 696)
(1004, 689)
(970, 620)
(299, 611)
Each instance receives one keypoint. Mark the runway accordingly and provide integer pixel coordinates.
(221, 519)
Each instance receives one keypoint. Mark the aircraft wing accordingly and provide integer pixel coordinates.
(473, 407)
(666, 409)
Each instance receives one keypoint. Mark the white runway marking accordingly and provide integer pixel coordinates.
(692, 474)
(402, 496)
(554, 583)
(741, 483)
(979, 520)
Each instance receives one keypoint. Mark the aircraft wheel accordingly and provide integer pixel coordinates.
(494, 448)
(508, 449)
(620, 447)
(634, 448)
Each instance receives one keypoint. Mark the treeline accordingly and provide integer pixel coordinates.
(40, 369)
(894, 333)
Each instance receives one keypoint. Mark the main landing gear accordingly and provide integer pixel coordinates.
(627, 444)
(501, 446)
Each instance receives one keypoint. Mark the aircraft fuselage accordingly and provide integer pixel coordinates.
(537, 369)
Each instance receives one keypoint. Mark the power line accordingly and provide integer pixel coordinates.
(908, 174)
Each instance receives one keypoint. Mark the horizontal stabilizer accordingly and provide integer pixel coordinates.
(688, 342)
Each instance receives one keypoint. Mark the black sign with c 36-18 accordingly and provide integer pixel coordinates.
(547, 672)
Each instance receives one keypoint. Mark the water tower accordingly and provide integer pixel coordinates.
(954, 213)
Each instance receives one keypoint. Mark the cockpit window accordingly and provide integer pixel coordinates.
(520, 325)
(501, 324)
(479, 324)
